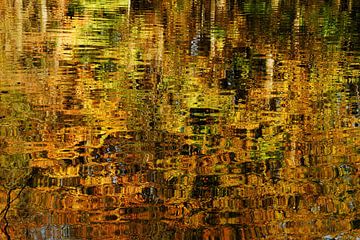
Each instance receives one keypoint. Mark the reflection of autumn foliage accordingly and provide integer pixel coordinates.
(224, 118)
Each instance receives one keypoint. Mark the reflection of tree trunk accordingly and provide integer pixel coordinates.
(291, 158)
(212, 24)
(337, 2)
(297, 25)
(62, 6)
(43, 15)
(59, 40)
(344, 5)
(19, 24)
(269, 66)
(275, 4)
(268, 81)
(129, 8)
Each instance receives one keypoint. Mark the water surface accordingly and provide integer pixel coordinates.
(184, 119)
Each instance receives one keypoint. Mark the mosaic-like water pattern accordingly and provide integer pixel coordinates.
(179, 119)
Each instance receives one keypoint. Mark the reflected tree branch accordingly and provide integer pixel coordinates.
(9, 201)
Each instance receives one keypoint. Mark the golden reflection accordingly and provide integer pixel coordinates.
(179, 119)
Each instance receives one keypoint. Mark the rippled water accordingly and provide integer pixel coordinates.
(183, 119)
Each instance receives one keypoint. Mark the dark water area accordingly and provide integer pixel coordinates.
(179, 119)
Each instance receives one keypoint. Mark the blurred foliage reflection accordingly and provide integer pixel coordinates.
(179, 119)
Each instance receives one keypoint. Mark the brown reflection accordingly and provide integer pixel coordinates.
(179, 119)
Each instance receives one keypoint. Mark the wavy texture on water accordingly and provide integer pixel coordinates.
(184, 119)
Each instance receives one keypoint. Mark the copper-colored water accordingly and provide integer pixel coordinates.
(202, 119)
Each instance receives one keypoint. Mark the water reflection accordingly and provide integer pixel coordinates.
(179, 119)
